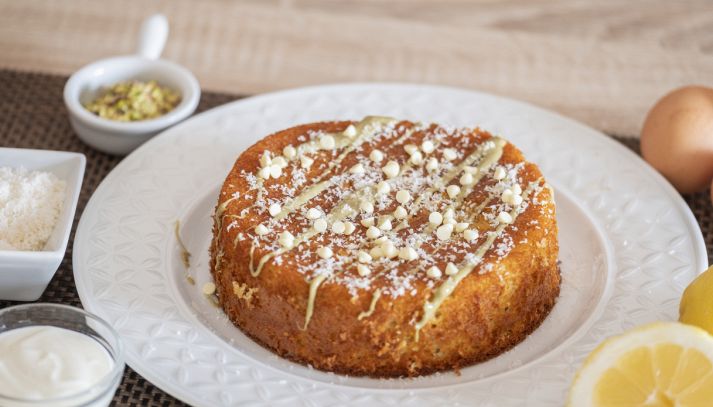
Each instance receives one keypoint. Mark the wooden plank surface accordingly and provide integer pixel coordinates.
(601, 62)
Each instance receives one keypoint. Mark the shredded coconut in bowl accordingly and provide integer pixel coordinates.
(30, 204)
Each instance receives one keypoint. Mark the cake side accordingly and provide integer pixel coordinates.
(379, 324)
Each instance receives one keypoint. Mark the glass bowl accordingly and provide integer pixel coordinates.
(74, 319)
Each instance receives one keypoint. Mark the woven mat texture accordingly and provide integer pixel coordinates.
(33, 116)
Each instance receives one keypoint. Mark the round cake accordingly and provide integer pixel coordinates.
(385, 248)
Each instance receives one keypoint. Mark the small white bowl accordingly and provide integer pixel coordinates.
(24, 275)
(85, 85)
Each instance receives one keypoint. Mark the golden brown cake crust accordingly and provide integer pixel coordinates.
(503, 299)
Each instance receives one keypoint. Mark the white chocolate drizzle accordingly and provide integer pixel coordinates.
(372, 306)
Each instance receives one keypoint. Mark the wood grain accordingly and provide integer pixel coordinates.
(603, 63)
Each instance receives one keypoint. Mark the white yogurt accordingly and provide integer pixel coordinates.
(47, 362)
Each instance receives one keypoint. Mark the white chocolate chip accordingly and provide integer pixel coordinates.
(367, 222)
(275, 171)
(320, 225)
(432, 164)
(450, 154)
(363, 270)
(287, 240)
(389, 250)
(289, 152)
(383, 187)
(466, 179)
(461, 226)
(470, 234)
(324, 252)
(262, 230)
(450, 221)
(400, 212)
(410, 149)
(349, 228)
(470, 169)
(517, 200)
(313, 213)
(385, 224)
(265, 160)
(280, 162)
(363, 257)
(451, 269)
(326, 142)
(350, 131)
(517, 189)
(209, 288)
(449, 213)
(453, 191)
(416, 158)
(366, 207)
(434, 272)
(504, 217)
(444, 231)
(373, 232)
(381, 240)
(264, 173)
(499, 173)
(306, 162)
(376, 252)
(274, 209)
(408, 253)
(427, 146)
(435, 218)
(403, 196)
(357, 168)
(507, 196)
(338, 227)
(391, 169)
(376, 156)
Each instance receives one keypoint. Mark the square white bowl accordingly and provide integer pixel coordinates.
(24, 275)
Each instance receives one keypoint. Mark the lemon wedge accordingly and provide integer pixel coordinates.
(657, 365)
(697, 303)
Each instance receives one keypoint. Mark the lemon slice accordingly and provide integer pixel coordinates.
(697, 302)
(657, 365)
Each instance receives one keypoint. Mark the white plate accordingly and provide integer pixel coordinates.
(629, 247)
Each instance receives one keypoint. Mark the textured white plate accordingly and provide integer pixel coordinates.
(629, 245)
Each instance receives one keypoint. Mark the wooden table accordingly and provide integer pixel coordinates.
(602, 62)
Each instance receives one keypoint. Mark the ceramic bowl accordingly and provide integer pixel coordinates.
(121, 138)
(24, 275)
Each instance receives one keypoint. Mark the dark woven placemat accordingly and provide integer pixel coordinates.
(32, 115)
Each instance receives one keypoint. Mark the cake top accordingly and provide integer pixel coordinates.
(383, 205)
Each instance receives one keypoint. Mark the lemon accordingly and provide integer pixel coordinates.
(657, 365)
(697, 302)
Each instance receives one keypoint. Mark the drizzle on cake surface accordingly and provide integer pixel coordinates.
(385, 248)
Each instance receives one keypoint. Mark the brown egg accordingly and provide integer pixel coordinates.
(677, 138)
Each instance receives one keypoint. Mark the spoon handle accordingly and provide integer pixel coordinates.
(152, 37)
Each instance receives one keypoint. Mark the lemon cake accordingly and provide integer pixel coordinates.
(384, 247)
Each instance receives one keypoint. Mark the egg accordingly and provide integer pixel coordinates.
(677, 138)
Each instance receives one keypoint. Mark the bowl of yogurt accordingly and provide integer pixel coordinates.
(57, 355)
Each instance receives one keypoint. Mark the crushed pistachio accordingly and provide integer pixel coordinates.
(134, 101)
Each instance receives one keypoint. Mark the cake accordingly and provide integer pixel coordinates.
(385, 248)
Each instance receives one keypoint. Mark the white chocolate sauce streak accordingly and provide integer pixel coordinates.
(444, 290)
(313, 287)
(372, 306)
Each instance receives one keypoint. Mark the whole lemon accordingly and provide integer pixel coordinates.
(697, 302)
